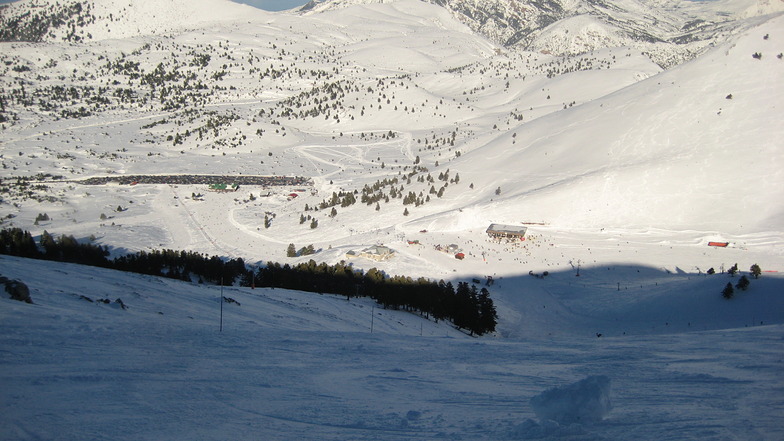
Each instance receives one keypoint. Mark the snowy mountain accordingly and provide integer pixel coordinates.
(641, 179)
(650, 153)
(669, 31)
(602, 140)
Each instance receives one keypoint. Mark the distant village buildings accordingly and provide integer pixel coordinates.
(378, 253)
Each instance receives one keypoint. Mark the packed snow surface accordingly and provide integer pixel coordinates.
(303, 366)
(623, 172)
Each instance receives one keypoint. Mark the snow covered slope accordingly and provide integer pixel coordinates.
(670, 32)
(86, 20)
(302, 366)
(412, 131)
(603, 143)
(694, 147)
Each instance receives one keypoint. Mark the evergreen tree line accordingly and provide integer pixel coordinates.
(465, 306)
(182, 265)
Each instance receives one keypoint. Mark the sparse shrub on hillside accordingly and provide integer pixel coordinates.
(755, 271)
(711, 271)
(757, 55)
(291, 251)
(37, 24)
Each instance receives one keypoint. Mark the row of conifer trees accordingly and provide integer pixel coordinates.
(465, 306)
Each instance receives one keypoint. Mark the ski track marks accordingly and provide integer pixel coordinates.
(341, 157)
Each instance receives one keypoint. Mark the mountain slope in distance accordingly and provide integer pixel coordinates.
(693, 147)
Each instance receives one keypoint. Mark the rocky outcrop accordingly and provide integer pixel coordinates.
(16, 289)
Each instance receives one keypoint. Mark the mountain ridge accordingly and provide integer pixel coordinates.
(651, 140)
(668, 31)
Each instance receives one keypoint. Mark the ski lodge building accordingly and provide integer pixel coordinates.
(500, 231)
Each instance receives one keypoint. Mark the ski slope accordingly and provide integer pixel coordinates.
(291, 365)
(623, 173)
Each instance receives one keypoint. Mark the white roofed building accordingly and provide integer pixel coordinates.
(501, 231)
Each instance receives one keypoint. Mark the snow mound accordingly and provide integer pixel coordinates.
(587, 400)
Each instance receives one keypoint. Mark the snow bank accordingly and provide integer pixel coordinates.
(587, 400)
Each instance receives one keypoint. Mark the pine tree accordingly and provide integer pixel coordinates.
(755, 270)
(488, 317)
(728, 291)
(743, 283)
(291, 251)
(733, 270)
(49, 245)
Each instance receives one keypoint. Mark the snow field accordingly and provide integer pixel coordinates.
(629, 184)
(292, 365)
